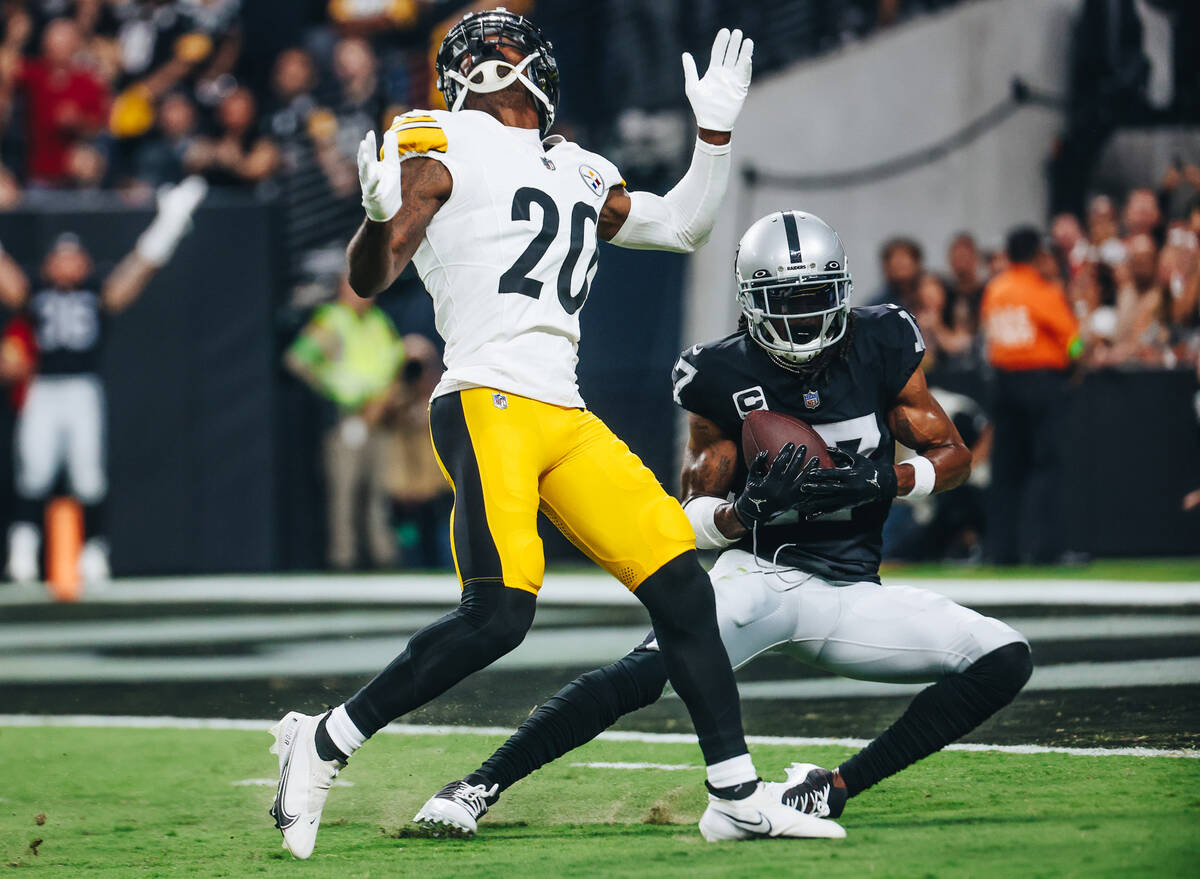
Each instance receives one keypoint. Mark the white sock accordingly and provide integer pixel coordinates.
(342, 731)
(734, 771)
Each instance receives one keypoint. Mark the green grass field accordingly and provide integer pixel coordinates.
(124, 802)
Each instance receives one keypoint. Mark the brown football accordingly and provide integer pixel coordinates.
(768, 430)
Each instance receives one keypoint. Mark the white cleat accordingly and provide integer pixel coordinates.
(304, 780)
(455, 810)
(23, 540)
(761, 816)
(93, 563)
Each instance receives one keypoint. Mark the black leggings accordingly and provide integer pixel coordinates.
(490, 621)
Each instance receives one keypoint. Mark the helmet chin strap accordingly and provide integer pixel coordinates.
(492, 76)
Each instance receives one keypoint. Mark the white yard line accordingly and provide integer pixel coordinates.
(242, 725)
(572, 589)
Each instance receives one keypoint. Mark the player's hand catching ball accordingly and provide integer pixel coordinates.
(854, 480)
(717, 98)
(379, 176)
(772, 489)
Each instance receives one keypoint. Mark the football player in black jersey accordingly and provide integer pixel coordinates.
(799, 571)
(61, 424)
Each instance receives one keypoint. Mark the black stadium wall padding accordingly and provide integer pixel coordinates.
(191, 374)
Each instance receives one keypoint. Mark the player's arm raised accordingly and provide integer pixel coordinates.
(156, 245)
(681, 220)
(710, 465)
(918, 421)
(399, 208)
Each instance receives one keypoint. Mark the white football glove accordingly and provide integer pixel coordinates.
(717, 98)
(176, 204)
(380, 177)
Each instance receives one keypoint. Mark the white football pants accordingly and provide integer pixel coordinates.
(62, 424)
(862, 630)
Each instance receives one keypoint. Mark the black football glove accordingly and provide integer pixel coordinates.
(771, 490)
(854, 480)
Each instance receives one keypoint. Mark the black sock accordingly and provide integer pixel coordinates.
(326, 749)
(679, 597)
(491, 620)
(939, 714)
(575, 715)
(737, 792)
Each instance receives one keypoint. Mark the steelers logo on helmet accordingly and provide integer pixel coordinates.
(793, 286)
(470, 60)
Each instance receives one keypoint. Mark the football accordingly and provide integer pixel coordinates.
(768, 430)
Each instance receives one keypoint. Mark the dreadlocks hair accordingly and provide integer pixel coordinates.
(815, 370)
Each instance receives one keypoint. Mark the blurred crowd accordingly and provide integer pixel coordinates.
(1115, 289)
(1128, 269)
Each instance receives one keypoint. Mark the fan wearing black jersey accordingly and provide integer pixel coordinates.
(799, 571)
(61, 425)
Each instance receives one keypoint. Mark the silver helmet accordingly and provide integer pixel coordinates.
(793, 285)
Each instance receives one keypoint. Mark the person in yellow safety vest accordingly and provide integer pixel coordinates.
(350, 353)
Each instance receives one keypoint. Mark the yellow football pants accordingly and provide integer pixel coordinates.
(508, 456)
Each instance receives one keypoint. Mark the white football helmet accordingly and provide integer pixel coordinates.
(793, 285)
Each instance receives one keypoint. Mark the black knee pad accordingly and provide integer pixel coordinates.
(500, 615)
(1004, 671)
(679, 594)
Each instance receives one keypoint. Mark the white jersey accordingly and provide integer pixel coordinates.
(510, 256)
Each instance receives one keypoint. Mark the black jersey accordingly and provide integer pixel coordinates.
(70, 328)
(847, 405)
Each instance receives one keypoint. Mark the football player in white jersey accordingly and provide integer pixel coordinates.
(502, 223)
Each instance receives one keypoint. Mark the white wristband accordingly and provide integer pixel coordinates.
(702, 513)
(924, 476)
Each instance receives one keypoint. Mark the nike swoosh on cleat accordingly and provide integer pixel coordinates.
(282, 819)
(757, 827)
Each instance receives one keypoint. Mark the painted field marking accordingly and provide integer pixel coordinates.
(274, 782)
(666, 767)
(410, 729)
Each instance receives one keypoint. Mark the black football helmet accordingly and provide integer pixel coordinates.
(469, 60)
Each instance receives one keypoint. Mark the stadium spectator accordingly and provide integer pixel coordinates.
(293, 82)
(350, 354)
(1141, 214)
(1032, 338)
(65, 103)
(239, 155)
(1143, 309)
(901, 259)
(946, 327)
(160, 159)
(964, 280)
(1103, 232)
(1070, 244)
(1093, 295)
(360, 102)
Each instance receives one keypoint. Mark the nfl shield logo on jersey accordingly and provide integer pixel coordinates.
(592, 178)
(500, 401)
(811, 399)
